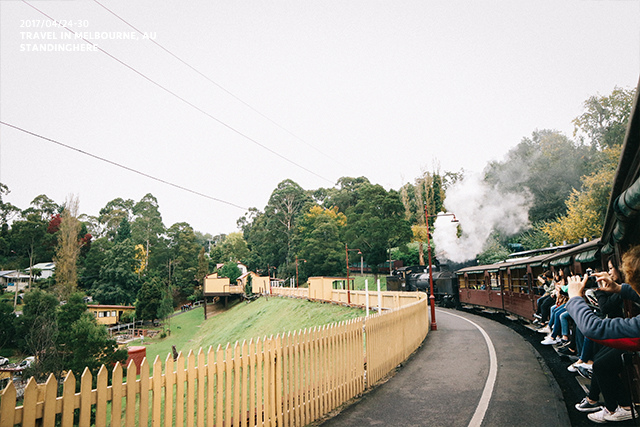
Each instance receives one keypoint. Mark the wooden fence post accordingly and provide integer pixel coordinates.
(132, 374)
(156, 381)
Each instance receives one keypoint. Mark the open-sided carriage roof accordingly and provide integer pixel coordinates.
(621, 227)
(492, 268)
(583, 253)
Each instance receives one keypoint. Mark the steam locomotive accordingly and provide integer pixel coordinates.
(416, 278)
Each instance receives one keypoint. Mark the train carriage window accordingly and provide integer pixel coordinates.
(519, 280)
(495, 286)
(462, 281)
(478, 282)
(504, 280)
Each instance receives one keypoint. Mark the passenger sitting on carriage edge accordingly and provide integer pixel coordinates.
(545, 302)
(557, 309)
(554, 319)
(617, 334)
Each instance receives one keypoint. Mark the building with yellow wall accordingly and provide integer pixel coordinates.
(259, 284)
(109, 314)
(322, 287)
(215, 286)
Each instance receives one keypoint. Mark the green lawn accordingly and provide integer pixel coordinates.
(359, 282)
(183, 327)
(243, 321)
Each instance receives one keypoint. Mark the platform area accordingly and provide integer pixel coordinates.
(472, 371)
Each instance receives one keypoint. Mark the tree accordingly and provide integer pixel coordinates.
(546, 168)
(92, 223)
(419, 236)
(91, 346)
(118, 282)
(587, 207)
(203, 267)
(409, 255)
(234, 248)
(147, 229)
(427, 190)
(270, 235)
(7, 210)
(182, 258)
(230, 270)
(346, 196)
(166, 305)
(285, 205)
(320, 241)
(124, 231)
(376, 224)
(112, 214)
(7, 325)
(90, 266)
(149, 302)
(63, 337)
(28, 236)
(604, 121)
(81, 342)
(68, 251)
(37, 332)
(45, 207)
(262, 252)
(534, 237)
(206, 240)
(248, 288)
(494, 251)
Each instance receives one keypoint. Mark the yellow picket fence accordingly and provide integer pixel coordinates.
(388, 300)
(391, 337)
(287, 380)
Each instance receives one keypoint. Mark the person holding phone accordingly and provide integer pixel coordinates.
(616, 334)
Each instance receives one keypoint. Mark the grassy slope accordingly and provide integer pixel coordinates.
(183, 327)
(245, 321)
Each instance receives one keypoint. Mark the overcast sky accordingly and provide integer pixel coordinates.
(383, 89)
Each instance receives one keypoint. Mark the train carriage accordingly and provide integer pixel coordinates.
(480, 285)
(519, 290)
(511, 285)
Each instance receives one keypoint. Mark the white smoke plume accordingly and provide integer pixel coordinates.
(480, 209)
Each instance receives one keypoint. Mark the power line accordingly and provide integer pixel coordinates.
(219, 85)
(111, 162)
(231, 128)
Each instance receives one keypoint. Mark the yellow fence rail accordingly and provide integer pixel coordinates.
(287, 380)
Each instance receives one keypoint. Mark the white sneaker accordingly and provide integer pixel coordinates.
(545, 330)
(551, 341)
(572, 367)
(585, 406)
(583, 365)
(599, 417)
(620, 414)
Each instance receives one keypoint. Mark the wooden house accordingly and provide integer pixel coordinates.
(109, 314)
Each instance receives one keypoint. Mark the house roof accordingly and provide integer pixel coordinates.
(124, 307)
(44, 266)
(221, 264)
(13, 273)
(248, 273)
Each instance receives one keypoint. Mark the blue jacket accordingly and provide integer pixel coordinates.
(620, 333)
